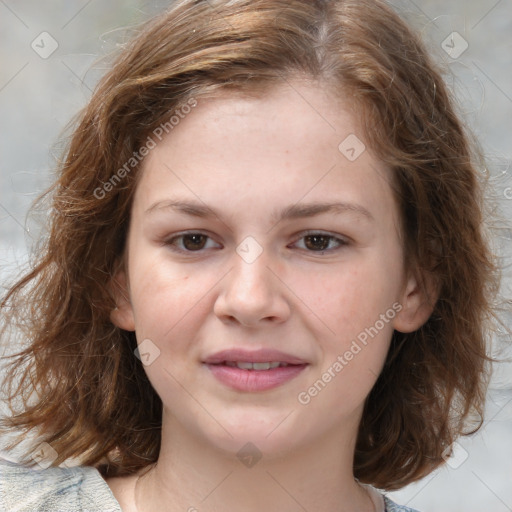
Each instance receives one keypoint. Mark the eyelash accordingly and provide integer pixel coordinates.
(340, 241)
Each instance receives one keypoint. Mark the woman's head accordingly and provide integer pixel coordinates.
(378, 110)
(249, 232)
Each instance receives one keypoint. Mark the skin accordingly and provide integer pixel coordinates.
(247, 157)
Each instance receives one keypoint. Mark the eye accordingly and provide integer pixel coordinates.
(189, 242)
(312, 242)
(318, 242)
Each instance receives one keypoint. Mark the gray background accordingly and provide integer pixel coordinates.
(38, 97)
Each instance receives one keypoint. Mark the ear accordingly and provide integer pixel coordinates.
(122, 316)
(418, 299)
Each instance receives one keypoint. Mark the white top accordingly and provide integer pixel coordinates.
(83, 489)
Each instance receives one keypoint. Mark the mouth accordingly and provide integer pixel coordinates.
(246, 365)
(236, 356)
(254, 371)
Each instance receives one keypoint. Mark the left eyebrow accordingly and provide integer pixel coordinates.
(296, 211)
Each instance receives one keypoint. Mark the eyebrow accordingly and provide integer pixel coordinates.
(295, 211)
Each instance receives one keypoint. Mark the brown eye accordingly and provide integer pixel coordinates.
(194, 242)
(190, 242)
(317, 242)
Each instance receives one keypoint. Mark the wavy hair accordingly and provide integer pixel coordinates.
(77, 382)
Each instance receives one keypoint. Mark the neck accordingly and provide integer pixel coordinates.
(192, 476)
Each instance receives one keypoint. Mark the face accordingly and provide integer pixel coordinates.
(253, 231)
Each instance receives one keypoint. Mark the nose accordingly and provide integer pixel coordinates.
(252, 294)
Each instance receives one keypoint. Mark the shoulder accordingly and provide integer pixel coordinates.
(55, 489)
(393, 507)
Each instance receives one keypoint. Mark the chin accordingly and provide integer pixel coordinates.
(255, 437)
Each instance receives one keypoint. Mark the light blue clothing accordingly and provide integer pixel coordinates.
(78, 489)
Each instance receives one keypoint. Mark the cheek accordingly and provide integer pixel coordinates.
(353, 314)
(162, 297)
(168, 304)
(358, 307)
(350, 299)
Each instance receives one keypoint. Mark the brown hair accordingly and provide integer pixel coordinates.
(94, 399)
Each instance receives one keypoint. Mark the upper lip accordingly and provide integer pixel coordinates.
(253, 356)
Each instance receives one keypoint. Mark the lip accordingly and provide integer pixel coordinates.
(253, 356)
(254, 380)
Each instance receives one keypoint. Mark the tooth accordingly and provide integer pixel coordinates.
(244, 366)
(254, 366)
(261, 366)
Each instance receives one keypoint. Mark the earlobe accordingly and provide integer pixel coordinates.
(418, 301)
(122, 316)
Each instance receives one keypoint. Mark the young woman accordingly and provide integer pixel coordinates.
(266, 284)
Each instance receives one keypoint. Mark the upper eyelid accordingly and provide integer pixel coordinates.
(308, 232)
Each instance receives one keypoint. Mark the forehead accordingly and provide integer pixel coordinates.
(290, 143)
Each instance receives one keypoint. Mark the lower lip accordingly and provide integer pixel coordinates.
(254, 380)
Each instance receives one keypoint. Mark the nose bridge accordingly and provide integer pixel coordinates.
(250, 291)
(250, 275)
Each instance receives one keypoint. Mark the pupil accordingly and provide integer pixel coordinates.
(318, 242)
(197, 241)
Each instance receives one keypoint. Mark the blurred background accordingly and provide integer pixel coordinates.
(50, 55)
